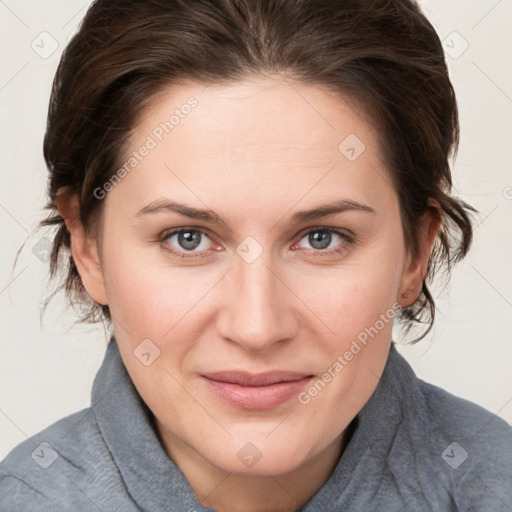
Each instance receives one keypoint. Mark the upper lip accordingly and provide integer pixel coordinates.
(255, 379)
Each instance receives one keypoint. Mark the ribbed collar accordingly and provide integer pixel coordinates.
(156, 484)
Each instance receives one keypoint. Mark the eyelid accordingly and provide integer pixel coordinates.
(340, 231)
(348, 239)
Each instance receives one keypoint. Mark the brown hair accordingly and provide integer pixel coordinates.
(383, 55)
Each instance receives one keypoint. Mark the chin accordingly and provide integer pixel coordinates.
(260, 457)
(274, 465)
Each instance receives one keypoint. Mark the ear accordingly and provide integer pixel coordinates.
(416, 267)
(84, 247)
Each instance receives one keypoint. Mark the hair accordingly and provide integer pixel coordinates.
(382, 55)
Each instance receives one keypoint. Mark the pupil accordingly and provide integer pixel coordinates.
(324, 239)
(188, 239)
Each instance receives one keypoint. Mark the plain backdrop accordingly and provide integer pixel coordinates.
(47, 369)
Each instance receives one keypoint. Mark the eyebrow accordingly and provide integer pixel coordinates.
(211, 217)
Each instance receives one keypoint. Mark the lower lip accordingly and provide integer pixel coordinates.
(257, 397)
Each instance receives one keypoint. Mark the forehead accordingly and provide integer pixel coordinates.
(285, 118)
(257, 133)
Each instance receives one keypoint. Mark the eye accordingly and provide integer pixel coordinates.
(321, 238)
(192, 242)
(187, 240)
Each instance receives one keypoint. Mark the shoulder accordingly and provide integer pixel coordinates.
(468, 447)
(66, 466)
(452, 417)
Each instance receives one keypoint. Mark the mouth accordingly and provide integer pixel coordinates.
(256, 391)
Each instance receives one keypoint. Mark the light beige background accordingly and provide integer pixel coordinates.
(46, 371)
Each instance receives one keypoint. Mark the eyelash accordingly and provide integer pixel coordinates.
(347, 241)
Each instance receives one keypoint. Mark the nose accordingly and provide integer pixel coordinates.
(258, 311)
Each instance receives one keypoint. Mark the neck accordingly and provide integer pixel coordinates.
(230, 492)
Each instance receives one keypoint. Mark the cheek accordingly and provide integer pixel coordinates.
(136, 292)
(151, 299)
(352, 298)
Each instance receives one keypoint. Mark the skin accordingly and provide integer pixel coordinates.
(255, 152)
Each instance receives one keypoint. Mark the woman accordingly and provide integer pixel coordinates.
(250, 192)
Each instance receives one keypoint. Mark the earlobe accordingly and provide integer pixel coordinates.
(84, 248)
(416, 268)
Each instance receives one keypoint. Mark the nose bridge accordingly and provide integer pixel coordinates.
(258, 311)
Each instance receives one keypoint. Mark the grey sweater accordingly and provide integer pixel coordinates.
(414, 447)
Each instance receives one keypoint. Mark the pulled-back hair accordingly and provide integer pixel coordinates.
(382, 55)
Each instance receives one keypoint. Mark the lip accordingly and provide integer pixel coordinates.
(255, 379)
(256, 391)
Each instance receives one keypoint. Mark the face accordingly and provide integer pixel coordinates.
(257, 285)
